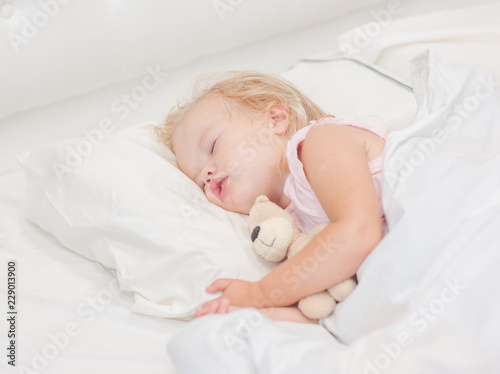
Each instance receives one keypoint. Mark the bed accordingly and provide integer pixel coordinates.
(106, 247)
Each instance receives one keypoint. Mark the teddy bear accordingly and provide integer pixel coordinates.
(275, 236)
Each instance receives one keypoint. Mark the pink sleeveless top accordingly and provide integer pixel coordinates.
(305, 207)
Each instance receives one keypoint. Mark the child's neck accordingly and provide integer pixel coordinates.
(283, 200)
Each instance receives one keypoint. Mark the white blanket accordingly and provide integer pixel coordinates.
(427, 300)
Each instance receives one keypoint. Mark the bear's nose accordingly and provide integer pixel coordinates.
(255, 233)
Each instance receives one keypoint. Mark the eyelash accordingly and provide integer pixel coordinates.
(213, 146)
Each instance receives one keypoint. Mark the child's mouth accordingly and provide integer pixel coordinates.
(218, 187)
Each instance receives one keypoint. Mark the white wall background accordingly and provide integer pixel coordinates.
(75, 62)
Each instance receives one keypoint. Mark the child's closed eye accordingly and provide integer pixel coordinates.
(213, 145)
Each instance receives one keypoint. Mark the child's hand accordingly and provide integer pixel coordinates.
(239, 293)
(218, 306)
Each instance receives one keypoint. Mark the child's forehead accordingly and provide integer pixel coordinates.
(202, 115)
(223, 107)
(214, 112)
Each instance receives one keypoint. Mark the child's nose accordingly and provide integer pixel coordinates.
(207, 173)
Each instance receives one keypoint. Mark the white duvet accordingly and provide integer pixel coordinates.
(427, 299)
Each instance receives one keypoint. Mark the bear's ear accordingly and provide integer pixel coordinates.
(258, 212)
(261, 199)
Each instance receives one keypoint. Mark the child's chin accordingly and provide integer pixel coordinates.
(236, 208)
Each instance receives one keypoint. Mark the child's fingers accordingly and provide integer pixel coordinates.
(219, 306)
(207, 308)
(218, 285)
(223, 306)
(197, 313)
(213, 307)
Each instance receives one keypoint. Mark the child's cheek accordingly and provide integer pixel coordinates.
(233, 168)
(269, 162)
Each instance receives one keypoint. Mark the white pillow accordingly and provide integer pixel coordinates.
(120, 200)
(470, 34)
(124, 205)
(341, 85)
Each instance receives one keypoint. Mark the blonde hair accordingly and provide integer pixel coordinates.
(252, 92)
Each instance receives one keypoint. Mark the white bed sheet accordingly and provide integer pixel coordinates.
(55, 287)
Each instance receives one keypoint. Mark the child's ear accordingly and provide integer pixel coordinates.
(280, 118)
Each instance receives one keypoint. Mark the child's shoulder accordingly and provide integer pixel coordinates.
(319, 137)
(338, 136)
(370, 124)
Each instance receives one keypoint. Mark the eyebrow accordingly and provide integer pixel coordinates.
(204, 135)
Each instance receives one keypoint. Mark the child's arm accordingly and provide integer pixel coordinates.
(336, 164)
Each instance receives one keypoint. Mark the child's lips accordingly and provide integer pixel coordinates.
(218, 187)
